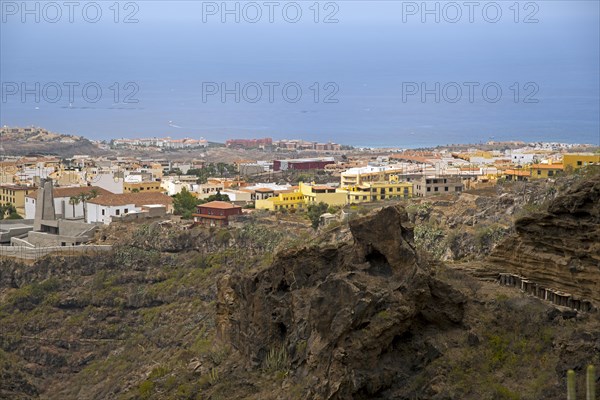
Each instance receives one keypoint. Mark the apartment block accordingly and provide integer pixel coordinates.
(428, 186)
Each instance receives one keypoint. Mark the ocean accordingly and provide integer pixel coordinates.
(377, 73)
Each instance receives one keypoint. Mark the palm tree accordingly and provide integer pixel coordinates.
(84, 197)
(74, 200)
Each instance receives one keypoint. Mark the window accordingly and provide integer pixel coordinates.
(103, 211)
(539, 172)
(429, 189)
(550, 173)
(579, 163)
(435, 189)
(446, 189)
(117, 212)
(126, 211)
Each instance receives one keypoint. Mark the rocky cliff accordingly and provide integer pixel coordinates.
(177, 313)
(558, 248)
(343, 314)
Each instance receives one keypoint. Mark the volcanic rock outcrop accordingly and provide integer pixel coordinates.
(558, 248)
(343, 314)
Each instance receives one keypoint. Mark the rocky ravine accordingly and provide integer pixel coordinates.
(343, 313)
(558, 248)
(208, 314)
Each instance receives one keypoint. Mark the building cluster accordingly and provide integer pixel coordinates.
(100, 190)
(264, 143)
(160, 143)
(33, 133)
(69, 216)
(285, 144)
(20, 131)
(305, 145)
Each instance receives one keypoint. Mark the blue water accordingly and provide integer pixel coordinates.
(367, 56)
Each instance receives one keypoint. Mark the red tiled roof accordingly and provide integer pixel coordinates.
(517, 172)
(547, 166)
(139, 199)
(72, 191)
(223, 205)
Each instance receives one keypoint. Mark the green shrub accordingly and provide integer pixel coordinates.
(430, 239)
(276, 360)
(145, 389)
(158, 372)
(29, 296)
(503, 393)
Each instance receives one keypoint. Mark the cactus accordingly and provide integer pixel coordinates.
(571, 395)
(590, 383)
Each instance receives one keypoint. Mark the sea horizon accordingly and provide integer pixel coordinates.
(373, 76)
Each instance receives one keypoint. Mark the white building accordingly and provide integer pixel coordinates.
(104, 208)
(109, 182)
(238, 195)
(62, 201)
(208, 189)
(104, 212)
(175, 184)
(518, 157)
(27, 174)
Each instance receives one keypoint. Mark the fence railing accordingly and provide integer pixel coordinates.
(34, 253)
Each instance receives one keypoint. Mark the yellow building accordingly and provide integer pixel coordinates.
(283, 201)
(358, 176)
(474, 155)
(517, 174)
(542, 171)
(576, 161)
(68, 178)
(8, 170)
(307, 194)
(377, 191)
(315, 194)
(156, 169)
(142, 187)
(15, 195)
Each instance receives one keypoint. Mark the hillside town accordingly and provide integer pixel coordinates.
(98, 190)
(392, 200)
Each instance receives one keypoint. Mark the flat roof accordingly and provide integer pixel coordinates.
(322, 187)
(16, 187)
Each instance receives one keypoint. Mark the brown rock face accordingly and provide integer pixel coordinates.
(560, 248)
(343, 313)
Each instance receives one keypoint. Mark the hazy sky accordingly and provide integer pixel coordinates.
(369, 50)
